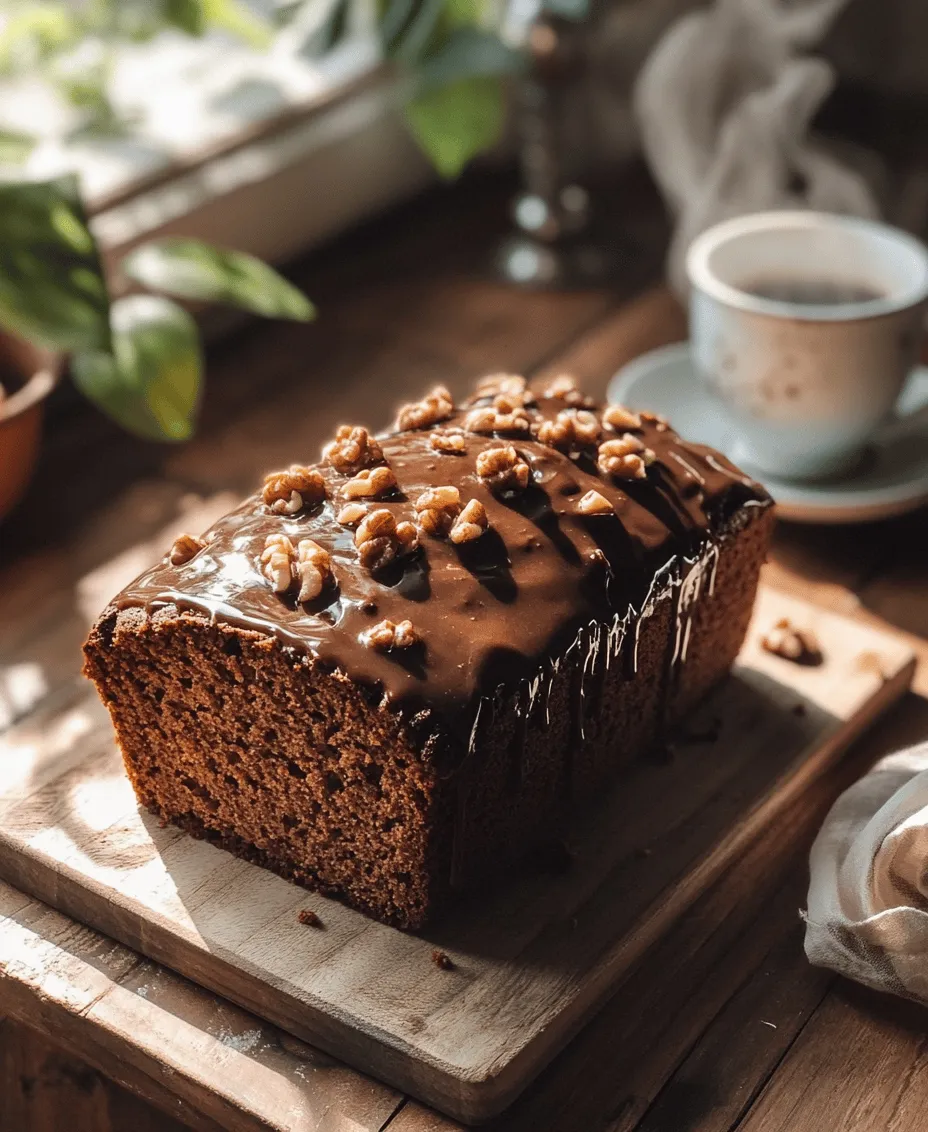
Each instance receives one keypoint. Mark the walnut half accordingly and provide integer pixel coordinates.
(352, 449)
(620, 419)
(437, 405)
(502, 469)
(437, 509)
(594, 503)
(570, 428)
(470, 524)
(380, 539)
(791, 643)
(448, 441)
(308, 564)
(505, 419)
(313, 568)
(184, 548)
(626, 458)
(287, 492)
(370, 483)
(386, 635)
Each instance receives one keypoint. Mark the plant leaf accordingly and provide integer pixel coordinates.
(52, 289)
(235, 18)
(422, 29)
(567, 9)
(15, 146)
(187, 15)
(454, 123)
(150, 383)
(192, 269)
(36, 33)
(469, 52)
(393, 19)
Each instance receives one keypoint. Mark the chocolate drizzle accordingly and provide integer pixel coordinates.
(545, 586)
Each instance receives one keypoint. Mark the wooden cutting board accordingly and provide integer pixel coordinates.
(532, 961)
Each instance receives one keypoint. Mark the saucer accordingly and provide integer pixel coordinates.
(890, 480)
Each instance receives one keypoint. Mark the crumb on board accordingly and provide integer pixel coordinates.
(442, 960)
(791, 643)
(308, 917)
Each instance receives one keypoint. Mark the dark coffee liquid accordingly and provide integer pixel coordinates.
(815, 292)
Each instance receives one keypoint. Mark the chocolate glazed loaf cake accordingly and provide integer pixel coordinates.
(391, 671)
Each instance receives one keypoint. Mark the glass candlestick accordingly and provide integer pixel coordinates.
(552, 245)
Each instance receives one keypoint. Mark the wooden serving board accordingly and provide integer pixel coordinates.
(532, 961)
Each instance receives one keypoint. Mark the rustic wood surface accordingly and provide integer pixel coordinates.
(724, 1025)
(531, 961)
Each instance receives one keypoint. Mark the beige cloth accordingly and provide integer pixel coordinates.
(868, 896)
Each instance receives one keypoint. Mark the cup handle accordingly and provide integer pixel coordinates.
(900, 426)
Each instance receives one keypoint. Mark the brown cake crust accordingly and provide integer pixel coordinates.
(597, 595)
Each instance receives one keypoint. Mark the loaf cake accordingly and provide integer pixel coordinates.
(388, 673)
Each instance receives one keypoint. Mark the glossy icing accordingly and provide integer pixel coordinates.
(545, 586)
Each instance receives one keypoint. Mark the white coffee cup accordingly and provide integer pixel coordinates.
(805, 383)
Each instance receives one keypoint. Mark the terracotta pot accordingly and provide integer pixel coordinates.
(34, 373)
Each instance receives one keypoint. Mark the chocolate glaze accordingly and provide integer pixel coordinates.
(502, 612)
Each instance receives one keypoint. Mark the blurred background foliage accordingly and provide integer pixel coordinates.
(455, 55)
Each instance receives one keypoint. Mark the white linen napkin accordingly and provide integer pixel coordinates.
(867, 914)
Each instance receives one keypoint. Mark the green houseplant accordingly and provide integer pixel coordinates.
(137, 357)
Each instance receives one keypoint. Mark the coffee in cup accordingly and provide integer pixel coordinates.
(804, 327)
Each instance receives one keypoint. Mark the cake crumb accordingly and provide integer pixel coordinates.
(442, 960)
(798, 645)
(308, 917)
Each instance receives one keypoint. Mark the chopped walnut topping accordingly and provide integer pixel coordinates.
(437, 509)
(277, 561)
(798, 645)
(661, 424)
(287, 492)
(370, 483)
(568, 429)
(620, 419)
(380, 539)
(586, 426)
(309, 565)
(558, 433)
(470, 524)
(184, 548)
(625, 457)
(489, 420)
(564, 388)
(449, 441)
(351, 514)
(385, 635)
(435, 406)
(510, 385)
(593, 503)
(442, 960)
(352, 449)
(313, 568)
(502, 469)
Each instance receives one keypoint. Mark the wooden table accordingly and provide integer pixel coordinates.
(724, 1026)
